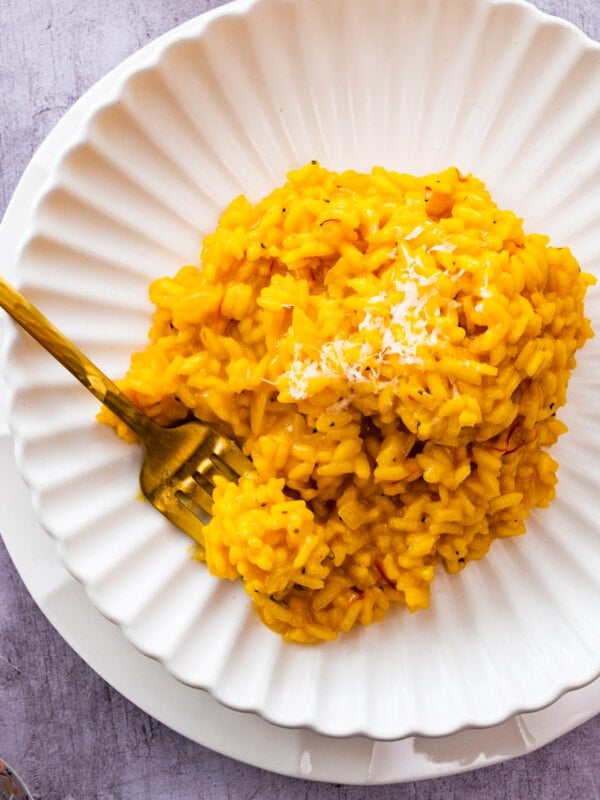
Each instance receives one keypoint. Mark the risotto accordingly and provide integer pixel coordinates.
(391, 351)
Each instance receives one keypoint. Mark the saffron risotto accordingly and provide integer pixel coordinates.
(391, 350)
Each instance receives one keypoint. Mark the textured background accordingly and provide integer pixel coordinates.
(68, 733)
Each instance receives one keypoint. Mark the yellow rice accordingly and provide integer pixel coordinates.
(392, 351)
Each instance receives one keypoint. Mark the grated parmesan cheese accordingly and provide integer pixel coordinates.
(397, 314)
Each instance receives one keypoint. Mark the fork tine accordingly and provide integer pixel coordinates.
(214, 465)
(228, 455)
(185, 517)
(208, 468)
(182, 510)
(197, 491)
(224, 468)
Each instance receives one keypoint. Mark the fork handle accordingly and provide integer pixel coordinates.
(37, 325)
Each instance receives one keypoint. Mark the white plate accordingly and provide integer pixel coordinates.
(164, 143)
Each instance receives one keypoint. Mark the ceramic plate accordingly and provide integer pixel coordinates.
(227, 103)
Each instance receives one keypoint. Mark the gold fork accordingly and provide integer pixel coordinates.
(180, 463)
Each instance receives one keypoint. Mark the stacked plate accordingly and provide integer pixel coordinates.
(139, 170)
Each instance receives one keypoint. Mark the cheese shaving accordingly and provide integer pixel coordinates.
(398, 317)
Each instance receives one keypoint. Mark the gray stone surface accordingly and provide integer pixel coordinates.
(68, 733)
